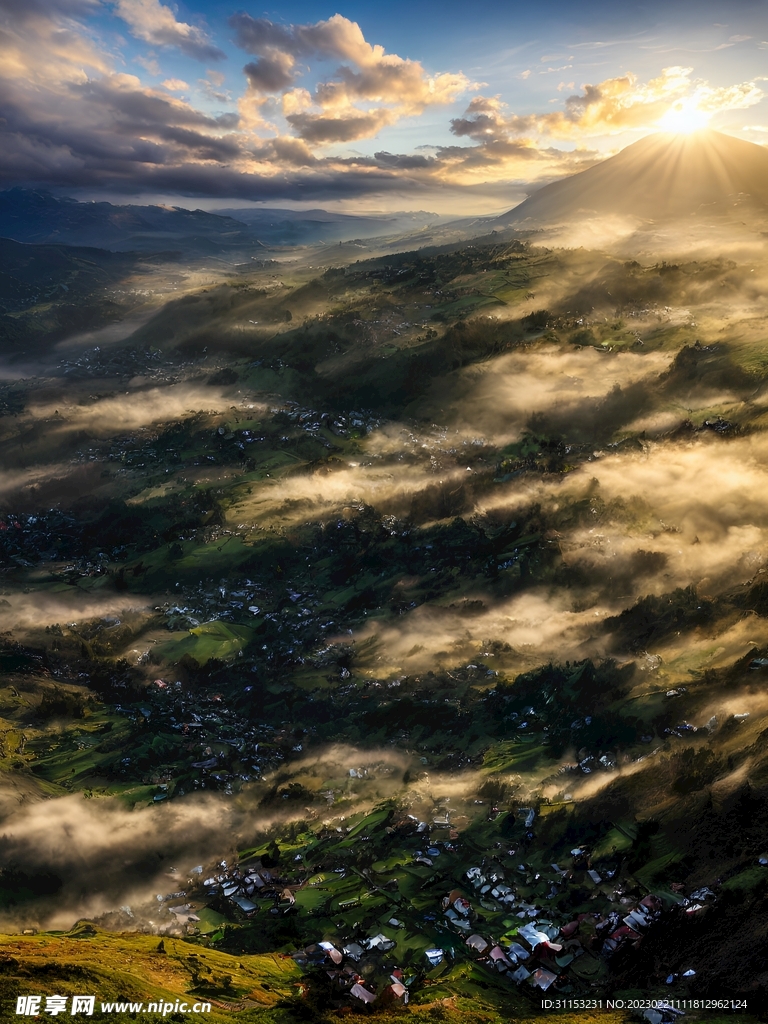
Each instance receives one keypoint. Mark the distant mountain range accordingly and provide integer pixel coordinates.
(661, 177)
(305, 227)
(31, 215)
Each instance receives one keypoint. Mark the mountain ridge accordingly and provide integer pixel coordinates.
(39, 217)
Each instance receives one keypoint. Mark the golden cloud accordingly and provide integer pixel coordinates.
(339, 108)
(154, 23)
(612, 106)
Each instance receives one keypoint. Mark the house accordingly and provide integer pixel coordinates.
(359, 992)
(542, 978)
(478, 943)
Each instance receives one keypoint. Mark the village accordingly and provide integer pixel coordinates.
(417, 917)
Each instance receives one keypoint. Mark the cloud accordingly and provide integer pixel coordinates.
(72, 117)
(320, 129)
(500, 398)
(340, 106)
(404, 161)
(108, 856)
(609, 107)
(82, 122)
(149, 64)
(337, 38)
(211, 86)
(501, 159)
(270, 74)
(154, 23)
(175, 85)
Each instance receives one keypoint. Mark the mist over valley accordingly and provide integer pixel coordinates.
(384, 592)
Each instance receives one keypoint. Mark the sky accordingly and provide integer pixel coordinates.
(450, 107)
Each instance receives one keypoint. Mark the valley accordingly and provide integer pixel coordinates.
(386, 632)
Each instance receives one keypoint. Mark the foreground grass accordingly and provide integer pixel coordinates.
(141, 968)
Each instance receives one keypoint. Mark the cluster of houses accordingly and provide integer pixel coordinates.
(354, 422)
(488, 918)
(536, 956)
(118, 362)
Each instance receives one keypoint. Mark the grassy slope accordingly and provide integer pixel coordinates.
(132, 968)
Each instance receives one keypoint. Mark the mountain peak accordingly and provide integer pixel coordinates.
(662, 176)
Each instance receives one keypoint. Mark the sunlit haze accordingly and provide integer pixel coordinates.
(684, 117)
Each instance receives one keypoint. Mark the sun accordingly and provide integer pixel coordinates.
(683, 117)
